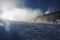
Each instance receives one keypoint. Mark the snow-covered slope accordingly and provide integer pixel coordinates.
(30, 31)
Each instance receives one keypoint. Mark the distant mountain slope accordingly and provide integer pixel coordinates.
(53, 16)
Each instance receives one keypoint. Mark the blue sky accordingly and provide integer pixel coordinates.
(54, 5)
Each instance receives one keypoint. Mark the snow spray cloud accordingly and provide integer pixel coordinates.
(50, 9)
(12, 12)
(19, 14)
